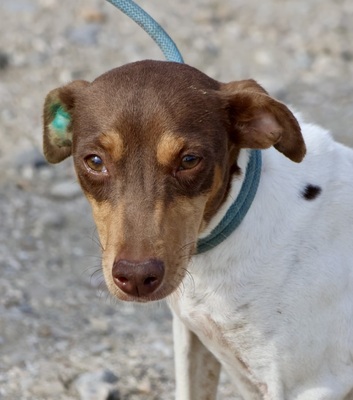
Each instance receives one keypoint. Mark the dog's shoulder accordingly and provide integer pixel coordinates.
(322, 146)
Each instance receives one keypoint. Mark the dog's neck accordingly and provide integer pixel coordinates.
(239, 200)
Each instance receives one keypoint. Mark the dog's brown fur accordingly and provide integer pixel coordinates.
(141, 120)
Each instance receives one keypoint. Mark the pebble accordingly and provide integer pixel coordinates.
(28, 174)
(97, 385)
(32, 157)
(50, 219)
(4, 60)
(45, 331)
(85, 35)
(16, 6)
(28, 243)
(100, 348)
(48, 390)
(65, 190)
(90, 14)
(12, 297)
(99, 324)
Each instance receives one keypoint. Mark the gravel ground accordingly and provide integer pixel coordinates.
(61, 335)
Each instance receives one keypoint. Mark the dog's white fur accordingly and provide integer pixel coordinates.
(273, 303)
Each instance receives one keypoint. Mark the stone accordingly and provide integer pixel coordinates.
(96, 385)
(30, 158)
(90, 14)
(4, 60)
(66, 190)
(85, 35)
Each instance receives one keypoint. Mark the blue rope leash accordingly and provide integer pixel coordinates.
(239, 208)
(146, 22)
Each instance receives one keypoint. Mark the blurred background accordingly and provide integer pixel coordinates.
(61, 335)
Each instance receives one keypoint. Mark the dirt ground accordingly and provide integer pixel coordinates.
(61, 335)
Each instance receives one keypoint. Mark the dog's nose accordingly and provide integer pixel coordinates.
(138, 278)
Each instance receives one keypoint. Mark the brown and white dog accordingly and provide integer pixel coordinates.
(161, 152)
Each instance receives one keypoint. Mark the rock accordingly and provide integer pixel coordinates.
(97, 385)
(47, 390)
(16, 6)
(12, 297)
(99, 348)
(45, 331)
(51, 219)
(90, 14)
(66, 190)
(114, 395)
(84, 35)
(30, 158)
(144, 386)
(28, 243)
(347, 55)
(100, 325)
(27, 173)
(4, 60)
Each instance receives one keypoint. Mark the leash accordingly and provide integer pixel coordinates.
(237, 211)
(148, 24)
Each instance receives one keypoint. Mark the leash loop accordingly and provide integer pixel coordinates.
(146, 22)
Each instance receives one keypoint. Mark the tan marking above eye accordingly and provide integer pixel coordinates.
(168, 148)
(113, 143)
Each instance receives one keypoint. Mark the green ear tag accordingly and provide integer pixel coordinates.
(61, 121)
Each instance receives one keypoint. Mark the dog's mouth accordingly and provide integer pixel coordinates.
(159, 294)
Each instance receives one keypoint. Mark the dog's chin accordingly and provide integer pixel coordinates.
(161, 293)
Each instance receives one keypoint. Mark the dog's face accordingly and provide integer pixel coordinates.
(155, 146)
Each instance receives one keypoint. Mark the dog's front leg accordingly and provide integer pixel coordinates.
(196, 369)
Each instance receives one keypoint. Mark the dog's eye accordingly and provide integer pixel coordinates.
(95, 163)
(189, 161)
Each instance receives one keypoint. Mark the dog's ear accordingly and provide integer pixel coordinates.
(258, 121)
(57, 118)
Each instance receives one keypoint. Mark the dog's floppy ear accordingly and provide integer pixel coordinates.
(258, 121)
(57, 135)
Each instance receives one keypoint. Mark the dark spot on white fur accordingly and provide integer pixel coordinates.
(311, 192)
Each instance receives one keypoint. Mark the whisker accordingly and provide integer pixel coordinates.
(95, 238)
(97, 271)
(101, 290)
(95, 268)
(186, 245)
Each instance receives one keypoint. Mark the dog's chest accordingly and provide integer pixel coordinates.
(226, 333)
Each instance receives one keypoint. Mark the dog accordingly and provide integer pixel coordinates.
(163, 154)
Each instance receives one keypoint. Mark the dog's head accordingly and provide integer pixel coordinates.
(155, 145)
